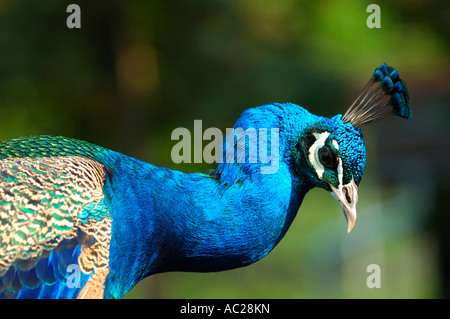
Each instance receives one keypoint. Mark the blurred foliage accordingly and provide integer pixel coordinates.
(136, 70)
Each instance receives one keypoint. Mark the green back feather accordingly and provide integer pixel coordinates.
(51, 146)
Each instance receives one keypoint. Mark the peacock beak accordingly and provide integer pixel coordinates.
(347, 197)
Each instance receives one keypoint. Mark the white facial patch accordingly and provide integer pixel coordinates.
(335, 144)
(314, 156)
(314, 153)
(340, 169)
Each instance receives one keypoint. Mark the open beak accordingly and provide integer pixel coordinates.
(347, 197)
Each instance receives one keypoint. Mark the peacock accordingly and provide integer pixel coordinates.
(78, 220)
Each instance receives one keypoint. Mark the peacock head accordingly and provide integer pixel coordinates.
(331, 152)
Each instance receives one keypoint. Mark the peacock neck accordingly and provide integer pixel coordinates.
(194, 222)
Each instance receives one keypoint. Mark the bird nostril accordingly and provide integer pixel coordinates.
(347, 194)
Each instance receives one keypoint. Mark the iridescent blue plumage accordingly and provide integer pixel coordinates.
(82, 221)
(350, 139)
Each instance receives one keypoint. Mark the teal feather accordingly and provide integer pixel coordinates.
(51, 146)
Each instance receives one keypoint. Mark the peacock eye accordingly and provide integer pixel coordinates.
(327, 158)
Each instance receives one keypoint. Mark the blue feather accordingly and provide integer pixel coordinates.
(44, 271)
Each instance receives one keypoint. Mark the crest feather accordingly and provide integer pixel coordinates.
(385, 94)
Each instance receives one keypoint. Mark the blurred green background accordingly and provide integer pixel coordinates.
(136, 70)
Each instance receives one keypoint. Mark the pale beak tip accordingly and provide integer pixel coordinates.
(351, 224)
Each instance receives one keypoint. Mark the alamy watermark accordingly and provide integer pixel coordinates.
(374, 279)
(374, 19)
(241, 146)
(73, 20)
(73, 279)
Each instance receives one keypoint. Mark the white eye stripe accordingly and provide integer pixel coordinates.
(340, 169)
(335, 144)
(314, 156)
(314, 153)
